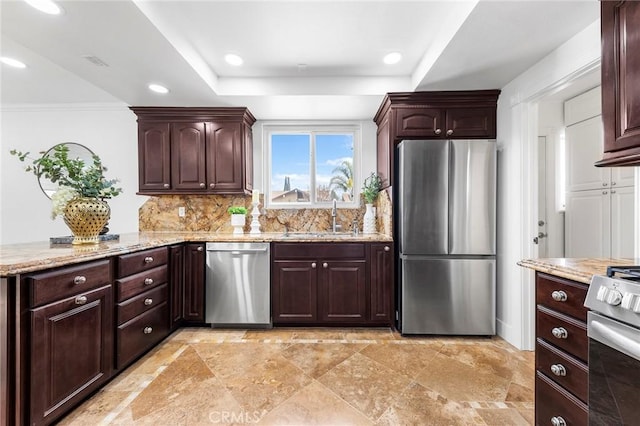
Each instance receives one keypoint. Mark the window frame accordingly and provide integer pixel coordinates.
(313, 129)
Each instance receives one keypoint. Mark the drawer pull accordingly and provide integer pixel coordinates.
(558, 421)
(147, 330)
(313, 265)
(325, 265)
(148, 302)
(148, 281)
(560, 333)
(148, 259)
(449, 132)
(199, 248)
(166, 185)
(386, 248)
(80, 279)
(558, 370)
(559, 296)
(81, 300)
(437, 131)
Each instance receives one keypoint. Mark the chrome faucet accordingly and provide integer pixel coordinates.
(334, 213)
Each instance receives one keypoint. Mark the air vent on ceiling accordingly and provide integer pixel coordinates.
(95, 60)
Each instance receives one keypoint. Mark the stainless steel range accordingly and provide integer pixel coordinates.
(613, 327)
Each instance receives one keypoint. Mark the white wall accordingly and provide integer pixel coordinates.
(108, 130)
(517, 145)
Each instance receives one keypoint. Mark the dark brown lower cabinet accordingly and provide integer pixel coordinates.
(342, 291)
(71, 352)
(176, 284)
(194, 275)
(294, 294)
(332, 284)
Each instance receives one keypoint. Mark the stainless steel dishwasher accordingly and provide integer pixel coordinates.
(238, 285)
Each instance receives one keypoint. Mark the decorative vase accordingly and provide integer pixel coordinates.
(369, 220)
(237, 221)
(86, 217)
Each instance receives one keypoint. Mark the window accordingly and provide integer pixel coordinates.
(311, 166)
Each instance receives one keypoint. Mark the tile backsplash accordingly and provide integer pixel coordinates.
(208, 213)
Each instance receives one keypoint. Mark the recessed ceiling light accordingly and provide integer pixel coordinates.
(392, 58)
(158, 88)
(12, 62)
(232, 59)
(46, 6)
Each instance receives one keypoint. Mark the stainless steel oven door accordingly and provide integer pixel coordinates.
(614, 372)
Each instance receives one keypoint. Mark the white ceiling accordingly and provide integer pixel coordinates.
(446, 45)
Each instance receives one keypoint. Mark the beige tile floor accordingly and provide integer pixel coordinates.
(293, 376)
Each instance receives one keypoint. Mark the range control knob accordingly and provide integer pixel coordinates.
(631, 301)
(614, 297)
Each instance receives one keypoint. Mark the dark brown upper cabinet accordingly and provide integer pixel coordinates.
(620, 22)
(194, 150)
(432, 115)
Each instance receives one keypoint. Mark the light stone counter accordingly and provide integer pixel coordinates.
(28, 257)
(578, 269)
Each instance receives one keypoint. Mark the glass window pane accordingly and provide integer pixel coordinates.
(290, 165)
(334, 167)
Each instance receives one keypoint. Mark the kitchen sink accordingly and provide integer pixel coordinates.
(310, 235)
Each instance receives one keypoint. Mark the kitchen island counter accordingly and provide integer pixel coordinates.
(28, 257)
(577, 269)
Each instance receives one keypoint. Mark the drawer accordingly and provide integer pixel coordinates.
(553, 401)
(286, 251)
(575, 342)
(576, 373)
(141, 303)
(60, 283)
(561, 295)
(136, 284)
(141, 333)
(133, 263)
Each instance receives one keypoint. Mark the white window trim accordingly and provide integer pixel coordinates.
(305, 128)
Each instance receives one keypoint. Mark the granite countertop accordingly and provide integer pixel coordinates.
(28, 257)
(577, 269)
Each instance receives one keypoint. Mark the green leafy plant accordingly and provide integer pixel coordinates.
(237, 210)
(371, 187)
(86, 180)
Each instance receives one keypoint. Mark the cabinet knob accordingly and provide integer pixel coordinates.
(313, 265)
(558, 370)
(80, 279)
(199, 248)
(202, 185)
(166, 185)
(148, 302)
(604, 184)
(449, 132)
(387, 248)
(558, 421)
(613, 191)
(147, 330)
(559, 296)
(604, 192)
(613, 184)
(212, 185)
(148, 281)
(325, 265)
(81, 300)
(559, 333)
(437, 131)
(148, 259)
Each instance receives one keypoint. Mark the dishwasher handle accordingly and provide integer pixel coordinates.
(240, 251)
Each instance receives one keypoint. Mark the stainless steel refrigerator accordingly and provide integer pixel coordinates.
(445, 216)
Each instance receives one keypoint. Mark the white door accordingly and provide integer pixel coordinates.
(588, 224)
(622, 221)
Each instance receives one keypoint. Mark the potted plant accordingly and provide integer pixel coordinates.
(81, 193)
(238, 215)
(370, 190)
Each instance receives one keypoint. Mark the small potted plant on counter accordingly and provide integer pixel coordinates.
(238, 215)
(370, 189)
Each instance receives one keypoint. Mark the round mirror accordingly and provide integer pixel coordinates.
(76, 151)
